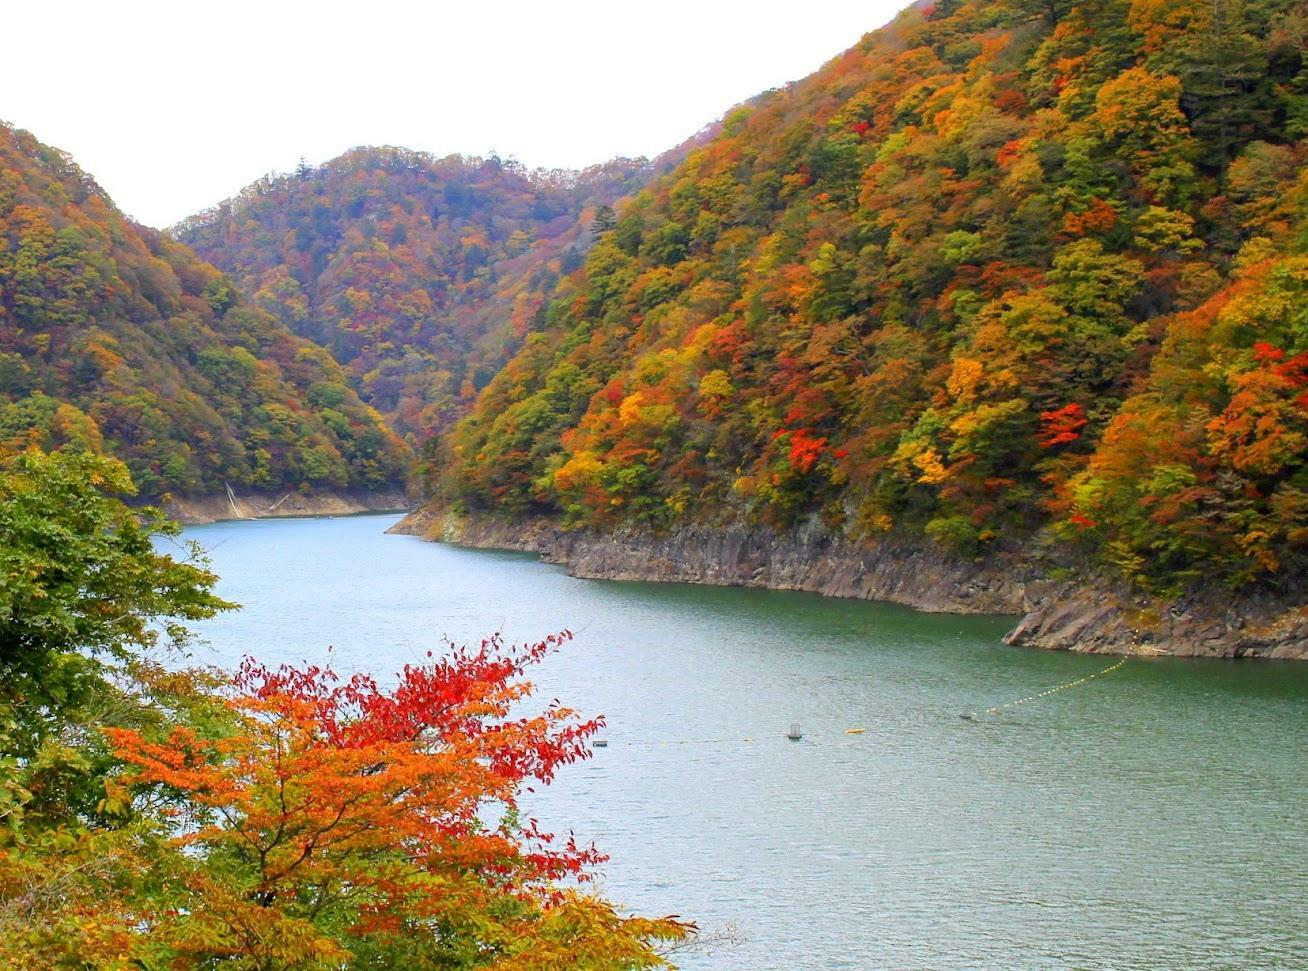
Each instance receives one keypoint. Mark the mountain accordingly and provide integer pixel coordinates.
(115, 338)
(420, 274)
(1005, 275)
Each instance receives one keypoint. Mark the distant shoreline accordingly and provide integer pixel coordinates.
(199, 510)
(1085, 614)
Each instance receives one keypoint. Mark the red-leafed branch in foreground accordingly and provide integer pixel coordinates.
(332, 802)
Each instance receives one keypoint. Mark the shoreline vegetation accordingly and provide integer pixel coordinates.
(1054, 610)
(157, 814)
(1027, 284)
(1003, 310)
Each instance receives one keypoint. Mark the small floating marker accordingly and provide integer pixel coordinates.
(794, 734)
(855, 731)
(600, 743)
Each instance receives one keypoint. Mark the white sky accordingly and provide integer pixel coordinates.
(173, 106)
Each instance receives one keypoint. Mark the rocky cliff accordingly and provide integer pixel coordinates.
(1076, 615)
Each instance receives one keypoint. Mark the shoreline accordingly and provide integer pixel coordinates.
(202, 510)
(1088, 615)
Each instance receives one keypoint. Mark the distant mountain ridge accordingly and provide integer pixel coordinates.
(419, 273)
(116, 338)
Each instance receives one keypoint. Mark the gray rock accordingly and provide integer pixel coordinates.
(1088, 614)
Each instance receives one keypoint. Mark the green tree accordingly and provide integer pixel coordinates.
(83, 591)
(605, 219)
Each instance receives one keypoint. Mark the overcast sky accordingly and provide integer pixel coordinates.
(173, 106)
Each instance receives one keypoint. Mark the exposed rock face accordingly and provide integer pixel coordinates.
(1101, 622)
(211, 509)
(1086, 615)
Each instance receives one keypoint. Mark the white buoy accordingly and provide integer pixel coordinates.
(794, 734)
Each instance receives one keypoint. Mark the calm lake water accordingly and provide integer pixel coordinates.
(1154, 817)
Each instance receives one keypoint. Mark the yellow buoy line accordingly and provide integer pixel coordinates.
(795, 736)
(974, 715)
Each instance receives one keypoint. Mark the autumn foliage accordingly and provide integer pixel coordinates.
(1000, 271)
(116, 339)
(339, 818)
(419, 274)
(1062, 426)
(285, 818)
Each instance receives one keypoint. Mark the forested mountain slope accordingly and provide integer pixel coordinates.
(115, 338)
(419, 274)
(1004, 274)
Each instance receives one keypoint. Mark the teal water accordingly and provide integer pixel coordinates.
(1152, 818)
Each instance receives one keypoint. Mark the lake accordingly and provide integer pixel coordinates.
(1152, 817)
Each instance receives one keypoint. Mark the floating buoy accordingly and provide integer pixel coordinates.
(794, 734)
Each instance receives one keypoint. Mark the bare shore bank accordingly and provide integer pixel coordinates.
(1078, 614)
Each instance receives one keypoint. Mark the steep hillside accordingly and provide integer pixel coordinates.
(114, 337)
(1018, 275)
(419, 274)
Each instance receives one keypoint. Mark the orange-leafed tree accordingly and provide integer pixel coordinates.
(334, 823)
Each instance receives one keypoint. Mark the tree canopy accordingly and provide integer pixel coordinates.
(157, 816)
(114, 338)
(418, 273)
(1000, 271)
